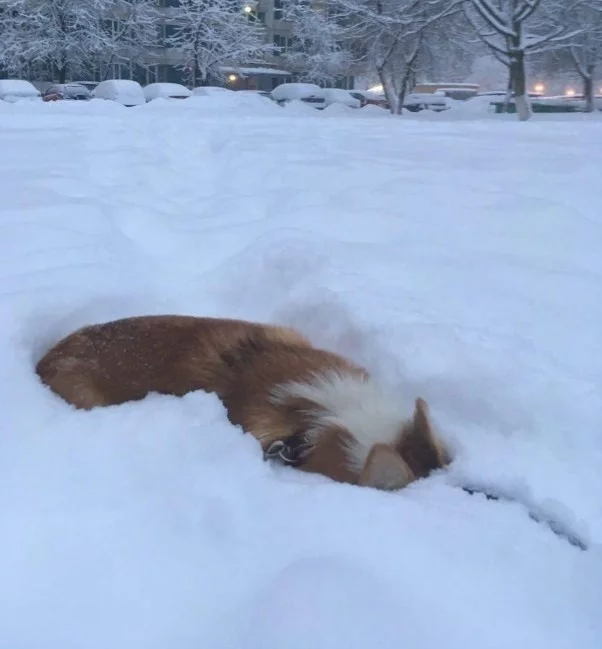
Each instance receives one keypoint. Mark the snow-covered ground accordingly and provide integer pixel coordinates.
(459, 259)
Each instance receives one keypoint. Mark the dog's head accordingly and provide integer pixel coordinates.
(413, 454)
(353, 432)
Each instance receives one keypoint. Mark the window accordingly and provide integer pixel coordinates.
(278, 45)
(278, 9)
(282, 44)
(256, 16)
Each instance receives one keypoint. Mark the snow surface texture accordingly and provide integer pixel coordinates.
(460, 260)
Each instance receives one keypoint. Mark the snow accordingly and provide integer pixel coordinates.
(459, 259)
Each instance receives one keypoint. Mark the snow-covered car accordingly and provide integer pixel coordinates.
(308, 93)
(501, 94)
(211, 91)
(164, 90)
(13, 90)
(90, 85)
(66, 91)
(260, 93)
(418, 101)
(123, 91)
(339, 96)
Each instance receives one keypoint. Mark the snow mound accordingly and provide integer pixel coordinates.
(338, 109)
(301, 108)
(451, 258)
(219, 105)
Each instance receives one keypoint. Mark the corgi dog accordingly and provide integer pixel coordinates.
(307, 407)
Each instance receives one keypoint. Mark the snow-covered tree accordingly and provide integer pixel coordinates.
(130, 31)
(513, 29)
(69, 37)
(63, 35)
(388, 36)
(318, 53)
(9, 62)
(212, 33)
(450, 49)
(583, 50)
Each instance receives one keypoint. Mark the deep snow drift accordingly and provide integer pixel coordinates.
(459, 259)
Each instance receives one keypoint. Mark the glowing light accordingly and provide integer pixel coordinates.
(232, 77)
(570, 92)
(378, 89)
(539, 87)
(247, 9)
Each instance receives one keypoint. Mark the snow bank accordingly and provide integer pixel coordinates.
(338, 109)
(452, 258)
(219, 105)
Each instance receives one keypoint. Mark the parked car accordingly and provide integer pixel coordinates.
(552, 104)
(308, 93)
(501, 94)
(261, 93)
(370, 98)
(417, 101)
(211, 91)
(66, 91)
(164, 90)
(13, 90)
(339, 96)
(579, 99)
(123, 91)
(90, 85)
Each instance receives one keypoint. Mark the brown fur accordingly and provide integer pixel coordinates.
(242, 362)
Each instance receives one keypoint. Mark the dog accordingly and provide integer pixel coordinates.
(307, 407)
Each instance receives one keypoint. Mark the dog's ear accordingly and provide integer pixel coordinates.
(420, 447)
(385, 469)
(421, 422)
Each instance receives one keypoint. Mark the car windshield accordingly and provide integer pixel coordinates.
(75, 91)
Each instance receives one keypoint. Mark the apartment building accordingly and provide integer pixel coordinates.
(165, 64)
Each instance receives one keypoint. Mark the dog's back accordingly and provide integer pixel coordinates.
(124, 360)
(272, 382)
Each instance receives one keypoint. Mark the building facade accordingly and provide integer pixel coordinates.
(161, 62)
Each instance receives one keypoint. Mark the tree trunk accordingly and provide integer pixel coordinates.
(518, 83)
(62, 73)
(508, 95)
(588, 88)
(389, 90)
(405, 82)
